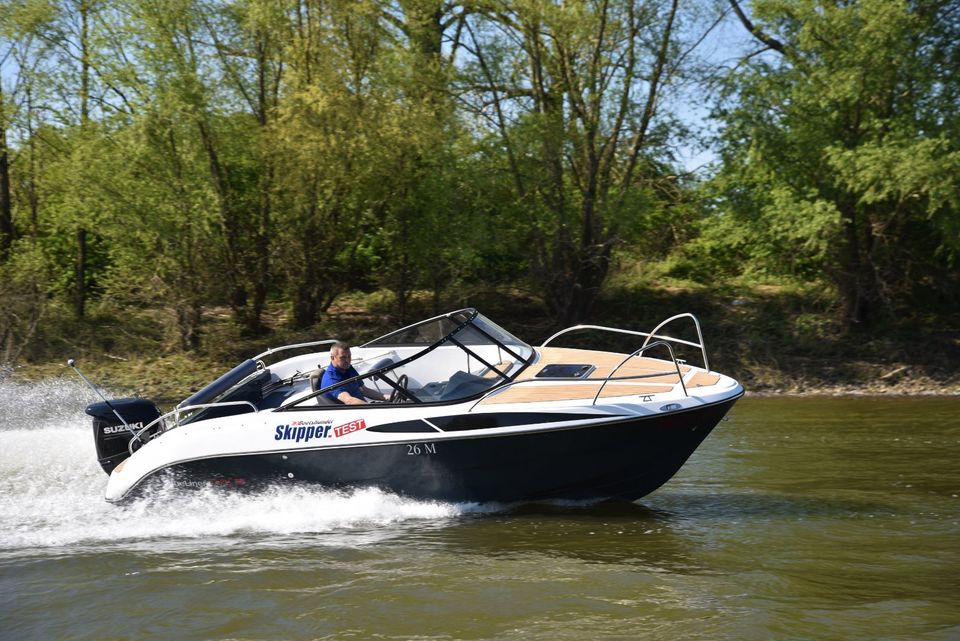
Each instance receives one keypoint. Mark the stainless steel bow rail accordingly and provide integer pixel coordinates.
(659, 340)
(635, 354)
(648, 335)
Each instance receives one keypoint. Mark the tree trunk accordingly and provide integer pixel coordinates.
(80, 275)
(80, 272)
(188, 323)
(261, 276)
(262, 248)
(303, 293)
(424, 26)
(230, 225)
(32, 196)
(305, 309)
(6, 204)
(857, 282)
(186, 286)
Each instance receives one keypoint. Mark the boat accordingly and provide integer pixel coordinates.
(470, 414)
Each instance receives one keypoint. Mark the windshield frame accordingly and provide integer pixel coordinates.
(463, 318)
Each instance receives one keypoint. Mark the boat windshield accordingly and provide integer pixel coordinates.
(454, 356)
(466, 326)
(448, 358)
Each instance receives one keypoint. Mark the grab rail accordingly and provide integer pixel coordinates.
(177, 411)
(593, 381)
(658, 341)
(696, 323)
(648, 335)
(637, 353)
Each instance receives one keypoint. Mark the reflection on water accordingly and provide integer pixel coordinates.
(797, 518)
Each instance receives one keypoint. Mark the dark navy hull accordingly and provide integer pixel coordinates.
(624, 459)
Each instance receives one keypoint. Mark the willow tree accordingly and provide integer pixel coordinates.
(218, 68)
(425, 222)
(6, 200)
(840, 151)
(326, 156)
(576, 104)
(32, 271)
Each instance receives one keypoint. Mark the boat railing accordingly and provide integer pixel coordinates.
(647, 335)
(274, 350)
(176, 412)
(602, 381)
(638, 352)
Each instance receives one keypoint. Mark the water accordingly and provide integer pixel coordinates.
(796, 519)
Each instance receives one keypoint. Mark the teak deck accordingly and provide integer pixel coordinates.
(658, 377)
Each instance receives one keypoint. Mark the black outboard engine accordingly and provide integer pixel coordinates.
(110, 434)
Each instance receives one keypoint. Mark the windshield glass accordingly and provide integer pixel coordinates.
(425, 333)
(455, 356)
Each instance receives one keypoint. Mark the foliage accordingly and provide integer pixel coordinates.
(178, 158)
(840, 152)
(574, 90)
(25, 302)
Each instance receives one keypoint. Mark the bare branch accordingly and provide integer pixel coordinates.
(652, 95)
(755, 31)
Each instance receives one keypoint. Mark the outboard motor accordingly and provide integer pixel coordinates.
(111, 436)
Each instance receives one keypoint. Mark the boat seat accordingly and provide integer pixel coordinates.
(383, 362)
(323, 399)
(317, 375)
(463, 384)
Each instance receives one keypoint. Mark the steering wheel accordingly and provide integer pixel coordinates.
(402, 383)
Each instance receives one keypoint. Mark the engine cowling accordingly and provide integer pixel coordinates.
(110, 435)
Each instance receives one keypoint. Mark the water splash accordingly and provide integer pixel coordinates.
(53, 402)
(51, 492)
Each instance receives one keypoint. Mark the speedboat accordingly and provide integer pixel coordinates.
(471, 414)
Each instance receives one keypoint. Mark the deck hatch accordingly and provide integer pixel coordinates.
(561, 370)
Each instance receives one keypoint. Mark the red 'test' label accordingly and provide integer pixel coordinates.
(347, 428)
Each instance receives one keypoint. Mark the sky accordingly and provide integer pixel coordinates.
(721, 48)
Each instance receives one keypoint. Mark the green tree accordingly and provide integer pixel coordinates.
(329, 164)
(840, 148)
(424, 227)
(577, 107)
(217, 64)
(27, 272)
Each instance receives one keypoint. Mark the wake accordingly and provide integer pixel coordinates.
(51, 492)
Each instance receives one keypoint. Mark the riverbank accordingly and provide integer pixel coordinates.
(775, 342)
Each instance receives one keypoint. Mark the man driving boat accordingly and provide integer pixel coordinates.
(339, 370)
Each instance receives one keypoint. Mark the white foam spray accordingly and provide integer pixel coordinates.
(51, 492)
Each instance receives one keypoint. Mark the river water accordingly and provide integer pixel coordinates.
(816, 518)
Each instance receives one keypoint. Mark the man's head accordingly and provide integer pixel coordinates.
(340, 355)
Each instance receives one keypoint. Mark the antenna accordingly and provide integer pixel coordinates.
(73, 365)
